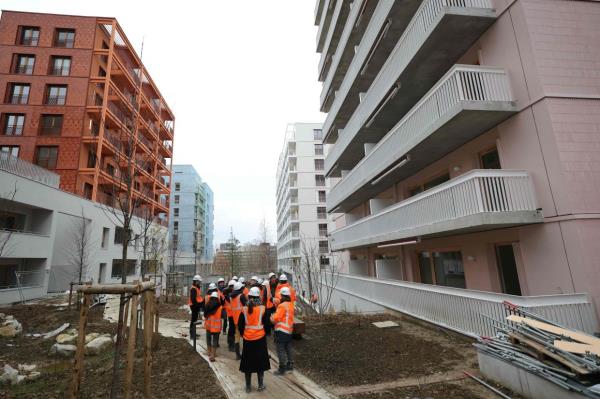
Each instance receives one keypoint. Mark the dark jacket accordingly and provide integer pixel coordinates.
(193, 297)
(212, 306)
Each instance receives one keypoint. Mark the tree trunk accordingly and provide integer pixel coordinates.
(117, 353)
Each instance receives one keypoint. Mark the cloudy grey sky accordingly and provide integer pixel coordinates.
(235, 73)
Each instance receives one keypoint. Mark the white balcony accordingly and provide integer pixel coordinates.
(26, 245)
(340, 14)
(476, 201)
(466, 102)
(436, 37)
(325, 22)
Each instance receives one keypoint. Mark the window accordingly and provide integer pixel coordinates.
(490, 159)
(60, 66)
(91, 162)
(13, 124)
(29, 36)
(64, 38)
(176, 225)
(318, 149)
(319, 164)
(121, 236)
(176, 199)
(56, 95)
(51, 125)
(177, 186)
(87, 190)
(117, 268)
(46, 157)
(9, 150)
(24, 64)
(176, 212)
(318, 134)
(323, 230)
(105, 235)
(323, 247)
(321, 212)
(12, 221)
(18, 93)
(322, 196)
(320, 180)
(430, 184)
(442, 268)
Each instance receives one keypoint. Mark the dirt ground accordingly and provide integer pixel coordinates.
(360, 354)
(176, 370)
(173, 311)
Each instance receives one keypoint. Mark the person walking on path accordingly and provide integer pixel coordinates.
(238, 301)
(283, 319)
(212, 324)
(196, 303)
(224, 315)
(227, 306)
(255, 355)
(283, 282)
(267, 300)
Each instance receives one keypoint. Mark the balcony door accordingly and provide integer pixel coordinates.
(507, 269)
(442, 268)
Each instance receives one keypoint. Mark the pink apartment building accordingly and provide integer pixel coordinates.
(466, 143)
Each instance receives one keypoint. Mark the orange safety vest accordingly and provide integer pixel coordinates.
(199, 298)
(213, 322)
(269, 303)
(245, 292)
(254, 328)
(236, 308)
(226, 304)
(278, 293)
(284, 318)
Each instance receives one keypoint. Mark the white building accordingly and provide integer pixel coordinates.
(39, 224)
(301, 195)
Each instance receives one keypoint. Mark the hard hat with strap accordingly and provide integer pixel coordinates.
(213, 322)
(254, 328)
(286, 323)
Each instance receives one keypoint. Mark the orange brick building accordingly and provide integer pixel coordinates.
(76, 98)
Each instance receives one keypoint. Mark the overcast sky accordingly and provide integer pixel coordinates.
(235, 72)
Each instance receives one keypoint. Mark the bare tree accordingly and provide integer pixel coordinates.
(232, 247)
(80, 249)
(317, 272)
(172, 259)
(264, 246)
(8, 220)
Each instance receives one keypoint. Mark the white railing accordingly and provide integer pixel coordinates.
(416, 33)
(461, 83)
(475, 192)
(17, 166)
(466, 311)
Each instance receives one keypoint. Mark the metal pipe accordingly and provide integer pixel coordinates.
(485, 384)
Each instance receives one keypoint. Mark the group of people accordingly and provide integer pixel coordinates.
(248, 311)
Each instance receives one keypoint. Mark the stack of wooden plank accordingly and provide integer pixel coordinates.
(561, 355)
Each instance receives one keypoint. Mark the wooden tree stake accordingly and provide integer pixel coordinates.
(79, 354)
(131, 346)
(148, 326)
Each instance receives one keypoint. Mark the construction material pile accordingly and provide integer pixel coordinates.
(561, 355)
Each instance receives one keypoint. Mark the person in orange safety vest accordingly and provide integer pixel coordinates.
(196, 302)
(213, 324)
(283, 319)
(283, 282)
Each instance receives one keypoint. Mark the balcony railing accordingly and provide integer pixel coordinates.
(62, 71)
(56, 100)
(24, 69)
(50, 130)
(470, 88)
(145, 141)
(13, 130)
(25, 169)
(18, 99)
(66, 43)
(477, 199)
(469, 312)
(29, 41)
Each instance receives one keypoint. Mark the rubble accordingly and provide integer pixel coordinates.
(9, 326)
(98, 345)
(23, 373)
(62, 350)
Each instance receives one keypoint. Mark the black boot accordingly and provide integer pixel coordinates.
(280, 371)
(261, 381)
(237, 352)
(248, 382)
(290, 366)
(230, 342)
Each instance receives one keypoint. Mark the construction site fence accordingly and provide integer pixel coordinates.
(470, 312)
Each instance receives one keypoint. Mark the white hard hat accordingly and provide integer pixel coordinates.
(265, 283)
(215, 294)
(197, 278)
(212, 286)
(260, 281)
(254, 291)
(254, 278)
(283, 277)
(238, 286)
(221, 280)
(272, 275)
(235, 278)
(231, 282)
(285, 291)
(242, 280)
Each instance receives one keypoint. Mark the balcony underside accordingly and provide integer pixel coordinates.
(466, 121)
(451, 36)
(375, 234)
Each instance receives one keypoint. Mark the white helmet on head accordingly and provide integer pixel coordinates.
(238, 286)
(231, 283)
(272, 275)
(197, 278)
(283, 277)
(235, 278)
(285, 291)
(212, 286)
(254, 291)
(255, 278)
(242, 280)
(265, 283)
(214, 294)
(260, 281)
(221, 280)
